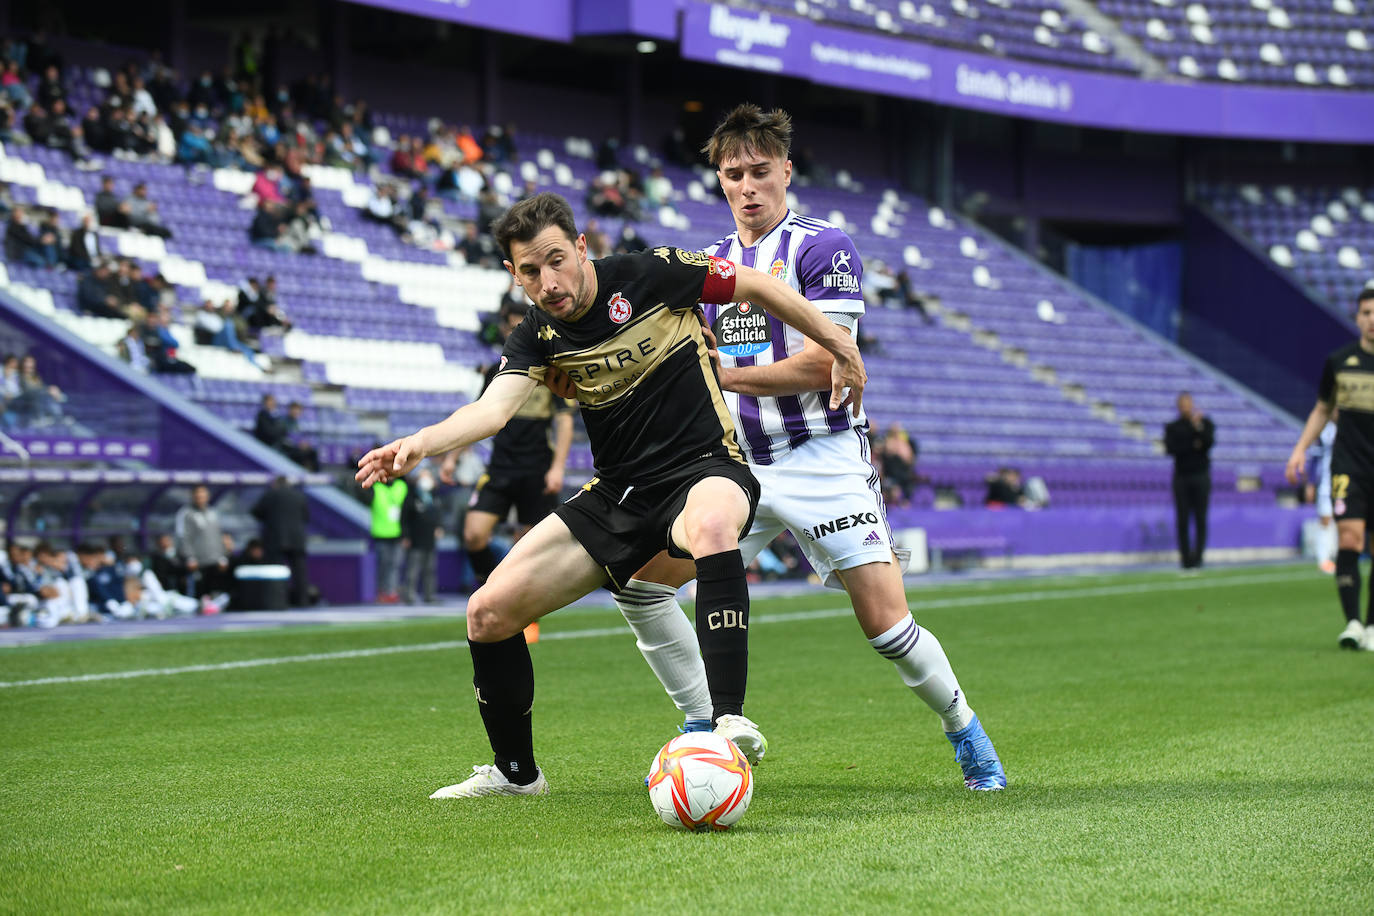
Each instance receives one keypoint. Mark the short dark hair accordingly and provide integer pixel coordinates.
(750, 128)
(1365, 295)
(531, 216)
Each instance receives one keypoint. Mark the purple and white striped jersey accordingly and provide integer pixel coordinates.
(819, 260)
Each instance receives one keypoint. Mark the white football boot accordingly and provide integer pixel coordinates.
(1352, 635)
(488, 780)
(746, 736)
(1367, 643)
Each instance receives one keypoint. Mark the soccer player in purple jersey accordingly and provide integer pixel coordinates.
(811, 460)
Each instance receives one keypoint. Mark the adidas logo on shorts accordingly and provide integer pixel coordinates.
(872, 538)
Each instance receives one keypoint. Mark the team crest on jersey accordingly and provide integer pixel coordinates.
(721, 268)
(692, 258)
(742, 330)
(779, 269)
(620, 309)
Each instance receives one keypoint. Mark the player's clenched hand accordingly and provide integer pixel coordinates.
(1295, 467)
(848, 372)
(553, 480)
(559, 382)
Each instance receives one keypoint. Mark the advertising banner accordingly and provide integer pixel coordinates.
(761, 41)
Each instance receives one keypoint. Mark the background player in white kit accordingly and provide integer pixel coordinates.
(812, 461)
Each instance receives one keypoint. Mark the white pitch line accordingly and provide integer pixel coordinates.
(786, 617)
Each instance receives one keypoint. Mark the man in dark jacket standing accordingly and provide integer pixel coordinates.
(421, 515)
(283, 511)
(1189, 440)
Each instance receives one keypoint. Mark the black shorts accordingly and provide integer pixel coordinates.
(496, 494)
(623, 526)
(1350, 497)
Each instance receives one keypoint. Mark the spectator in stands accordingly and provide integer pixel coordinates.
(96, 293)
(403, 159)
(161, 347)
(421, 529)
(39, 402)
(296, 446)
(499, 144)
(267, 186)
(194, 147)
(104, 582)
(96, 132)
(468, 145)
(50, 88)
(6, 200)
(268, 428)
(880, 286)
(268, 229)
(25, 246)
(658, 189)
(283, 512)
(897, 462)
(476, 248)
(1189, 439)
(130, 349)
(345, 149)
(8, 124)
(630, 241)
(143, 214)
(269, 312)
(200, 545)
(598, 245)
(10, 390)
(83, 248)
(383, 207)
(604, 197)
(911, 298)
(387, 503)
(109, 209)
(214, 326)
(12, 83)
(1005, 489)
(489, 209)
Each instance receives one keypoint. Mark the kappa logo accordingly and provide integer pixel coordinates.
(620, 309)
(1352, 361)
(779, 269)
(547, 333)
(722, 268)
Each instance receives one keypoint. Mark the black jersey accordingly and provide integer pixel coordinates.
(523, 447)
(649, 395)
(1348, 385)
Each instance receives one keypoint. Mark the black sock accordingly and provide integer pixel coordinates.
(504, 678)
(1348, 582)
(483, 562)
(723, 629)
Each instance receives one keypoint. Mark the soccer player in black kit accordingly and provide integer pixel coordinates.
(1348, 383)
(670, 474)
(525, 471)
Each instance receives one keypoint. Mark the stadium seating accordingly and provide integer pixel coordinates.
(1293, 42)
(1323, 236)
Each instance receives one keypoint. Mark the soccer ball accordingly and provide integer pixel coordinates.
(700, 781)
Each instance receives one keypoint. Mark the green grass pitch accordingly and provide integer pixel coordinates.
(1174, 745)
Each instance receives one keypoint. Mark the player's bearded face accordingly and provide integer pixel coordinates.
(550, 268)
(755, 186)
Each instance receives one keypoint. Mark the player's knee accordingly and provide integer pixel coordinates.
(487, 622)
(712, 531)
(1349, 540)
(475, 540)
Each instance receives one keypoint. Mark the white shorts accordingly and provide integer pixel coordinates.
(827, 494)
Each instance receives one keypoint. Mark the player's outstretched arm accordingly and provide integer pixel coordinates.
(1316, 422)
(786, 303)
(468, 424)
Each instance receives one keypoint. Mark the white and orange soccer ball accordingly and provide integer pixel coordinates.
(700, 781)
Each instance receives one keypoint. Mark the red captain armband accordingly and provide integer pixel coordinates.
(719, 287)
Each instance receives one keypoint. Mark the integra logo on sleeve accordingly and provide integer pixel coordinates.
(841, 276)
(843, 523)
(742, 330)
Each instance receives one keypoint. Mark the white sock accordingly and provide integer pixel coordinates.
(921, 661)
(668, 642)
(1326, 544)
